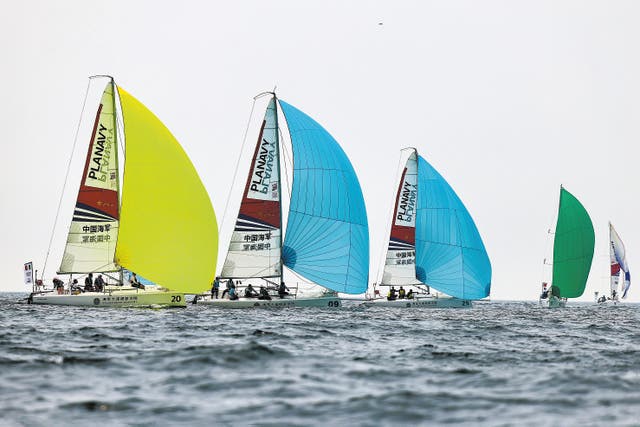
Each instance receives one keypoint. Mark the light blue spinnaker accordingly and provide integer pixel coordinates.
(327, 238)
(450, 255)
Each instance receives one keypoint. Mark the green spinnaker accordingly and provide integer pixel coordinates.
(572, 247)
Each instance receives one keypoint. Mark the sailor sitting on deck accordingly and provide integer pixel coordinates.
(233, 295)
(410, 294)
(401, 293)
(133, 281)
(249, 292)
(391, 296)
(58, 285)
(75, 288)
(264, 294)
(283, 290)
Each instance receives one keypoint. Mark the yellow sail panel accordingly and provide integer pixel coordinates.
(168, 229)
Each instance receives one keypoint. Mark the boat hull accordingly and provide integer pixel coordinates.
(420, 303)
(119, 298)
(321, 302)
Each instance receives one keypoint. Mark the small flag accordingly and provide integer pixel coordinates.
(28, 273)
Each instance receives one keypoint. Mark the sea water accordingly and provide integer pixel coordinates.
(499, 363)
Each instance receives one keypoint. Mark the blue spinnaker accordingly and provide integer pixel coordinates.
(327, 238)
(450, 255)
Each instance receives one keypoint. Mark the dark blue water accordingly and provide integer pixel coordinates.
(497, 364)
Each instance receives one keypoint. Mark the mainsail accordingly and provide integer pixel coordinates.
(400, 268)
(618, 258)
(168, 230)
(254, 250)
(327, 238)
(573, 246)
(450, 254)
(91, 241)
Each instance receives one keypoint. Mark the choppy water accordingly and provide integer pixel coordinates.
(496, 364)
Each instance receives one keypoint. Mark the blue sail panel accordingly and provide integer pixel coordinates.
(450, 255)
(327, 237)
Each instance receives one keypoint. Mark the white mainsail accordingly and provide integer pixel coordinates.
(399, 268)
(255, 247)
(91, 241)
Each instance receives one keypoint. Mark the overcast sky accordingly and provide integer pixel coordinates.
(506, 99)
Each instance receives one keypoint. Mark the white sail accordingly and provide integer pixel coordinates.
(255, 248)
(618, 259)
(91, 241)
(399, 268)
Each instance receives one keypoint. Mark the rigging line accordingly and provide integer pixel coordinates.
(235, 173)
(382, 260)
(286, 158)
(548, 252)
(66, 179)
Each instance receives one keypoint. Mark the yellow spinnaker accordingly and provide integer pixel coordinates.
(168, 230)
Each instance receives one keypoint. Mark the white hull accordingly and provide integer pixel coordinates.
(327, 302)
(420, 303)
(130, 297)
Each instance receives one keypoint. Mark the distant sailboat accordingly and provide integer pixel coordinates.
(573, 246)
(619, 268)
(433, 244)
(164, 229)
(327, 236)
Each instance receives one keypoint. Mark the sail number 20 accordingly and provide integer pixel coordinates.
(176, 298)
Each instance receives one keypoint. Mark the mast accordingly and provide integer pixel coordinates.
(116, 144)
(280, 157)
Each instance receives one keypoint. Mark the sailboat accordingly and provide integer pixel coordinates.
(163, 228)
(573, 246)
(619, 266)
(433, 244)
(326, 242)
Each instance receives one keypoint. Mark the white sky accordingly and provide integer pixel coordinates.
(507, 99)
